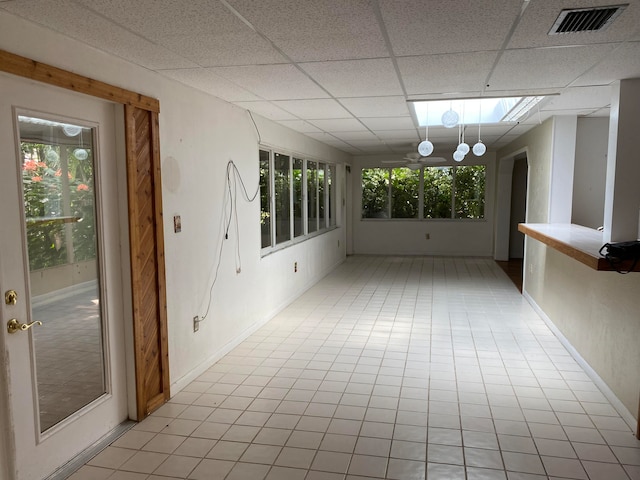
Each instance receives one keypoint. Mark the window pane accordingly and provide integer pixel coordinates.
(297, 198)
(265, 195)
(437, 192)
(375, 193)
(321, 199)
(331, 178)
(469, 197)
(283, 197)
(405, 188)
(312, 196)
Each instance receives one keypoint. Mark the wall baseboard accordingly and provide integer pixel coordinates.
(626, 415)
(185, 380)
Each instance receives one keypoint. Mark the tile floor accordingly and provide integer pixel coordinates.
(399, 368)
(69, 367)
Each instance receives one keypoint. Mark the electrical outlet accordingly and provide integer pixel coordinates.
(196, 323)
(427, 236)
(295, 267)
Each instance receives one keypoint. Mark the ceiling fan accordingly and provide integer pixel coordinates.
(413, 161)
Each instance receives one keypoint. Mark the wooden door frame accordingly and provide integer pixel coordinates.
(147, 399)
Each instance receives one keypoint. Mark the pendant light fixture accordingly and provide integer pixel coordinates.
(425, 148)
(81, 153)
(479, 148)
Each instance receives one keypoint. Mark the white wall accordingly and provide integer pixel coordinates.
(201, 133)
(596, 311)
(408, 237)
(589, 176)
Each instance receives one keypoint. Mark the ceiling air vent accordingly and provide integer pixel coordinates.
(585, 19)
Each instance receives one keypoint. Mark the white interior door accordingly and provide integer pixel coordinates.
(63, 332)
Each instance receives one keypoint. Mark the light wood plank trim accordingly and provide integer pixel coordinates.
(580, 243)
(147, 260)
(160, 257)
(42, 72)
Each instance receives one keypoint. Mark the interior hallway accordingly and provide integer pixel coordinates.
(390, 367)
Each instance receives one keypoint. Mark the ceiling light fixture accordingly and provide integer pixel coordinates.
(425, 148)
(485, 110)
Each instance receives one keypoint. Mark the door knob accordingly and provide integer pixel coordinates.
(10, 297)
(14, 325)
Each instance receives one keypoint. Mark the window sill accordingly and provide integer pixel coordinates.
(580, 243)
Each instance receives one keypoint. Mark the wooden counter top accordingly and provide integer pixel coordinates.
(575, 241)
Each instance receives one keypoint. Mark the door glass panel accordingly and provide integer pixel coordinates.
(61, 232)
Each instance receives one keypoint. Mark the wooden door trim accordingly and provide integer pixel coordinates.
(42, 72)
(48, 74)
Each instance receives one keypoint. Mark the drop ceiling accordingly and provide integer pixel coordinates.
(341, 71)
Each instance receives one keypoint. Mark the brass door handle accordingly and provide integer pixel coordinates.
(14, 325)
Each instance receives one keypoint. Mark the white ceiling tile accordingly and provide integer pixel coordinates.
(446, 73)
(272, 82)
(623, 62)
(157, 18)
(422, 27)
(366, 144)
(545, 67)
(339, 125)
(359, 135)
(267, 110)
(317, 30)
(356, 78)
(314, 109)
(77, 22)
(300, 126)
(223, 49)
(587, 97)
(411, 134)
(376, 106)
(207, 81)
(389, 123)
(539, 17)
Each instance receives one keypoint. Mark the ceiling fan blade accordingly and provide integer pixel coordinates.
(433, 159)
(388, 162)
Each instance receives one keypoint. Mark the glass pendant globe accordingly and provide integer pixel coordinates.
(52, 156)
(450, 119)
(458, 156)
(80, 154)
(479, 149)
(71, 130)
(463, 148)
(425, 148)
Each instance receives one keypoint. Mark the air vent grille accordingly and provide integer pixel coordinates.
(585, 19)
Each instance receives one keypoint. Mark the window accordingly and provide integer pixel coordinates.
(469, 191)
(312, 196)
(331, 197)
(298, 218)
(405, 193)
(282, 190)
(438, 184)
(321, 191)
(265, 199)
(445, 192)
(297, 198)
(375, 193)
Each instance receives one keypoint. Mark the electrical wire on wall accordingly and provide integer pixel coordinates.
(233, 183)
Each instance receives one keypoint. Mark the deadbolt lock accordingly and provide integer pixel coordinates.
(10, 297)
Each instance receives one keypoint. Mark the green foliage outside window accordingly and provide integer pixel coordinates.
(438, 182)
(375, 193)
(44, 192)
(469, 198)
(405, 190)
(448, 192)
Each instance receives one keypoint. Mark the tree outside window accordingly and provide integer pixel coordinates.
(453, 192)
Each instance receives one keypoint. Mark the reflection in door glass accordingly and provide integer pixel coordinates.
(59, 206)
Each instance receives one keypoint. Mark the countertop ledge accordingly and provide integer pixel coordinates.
(580, 243)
